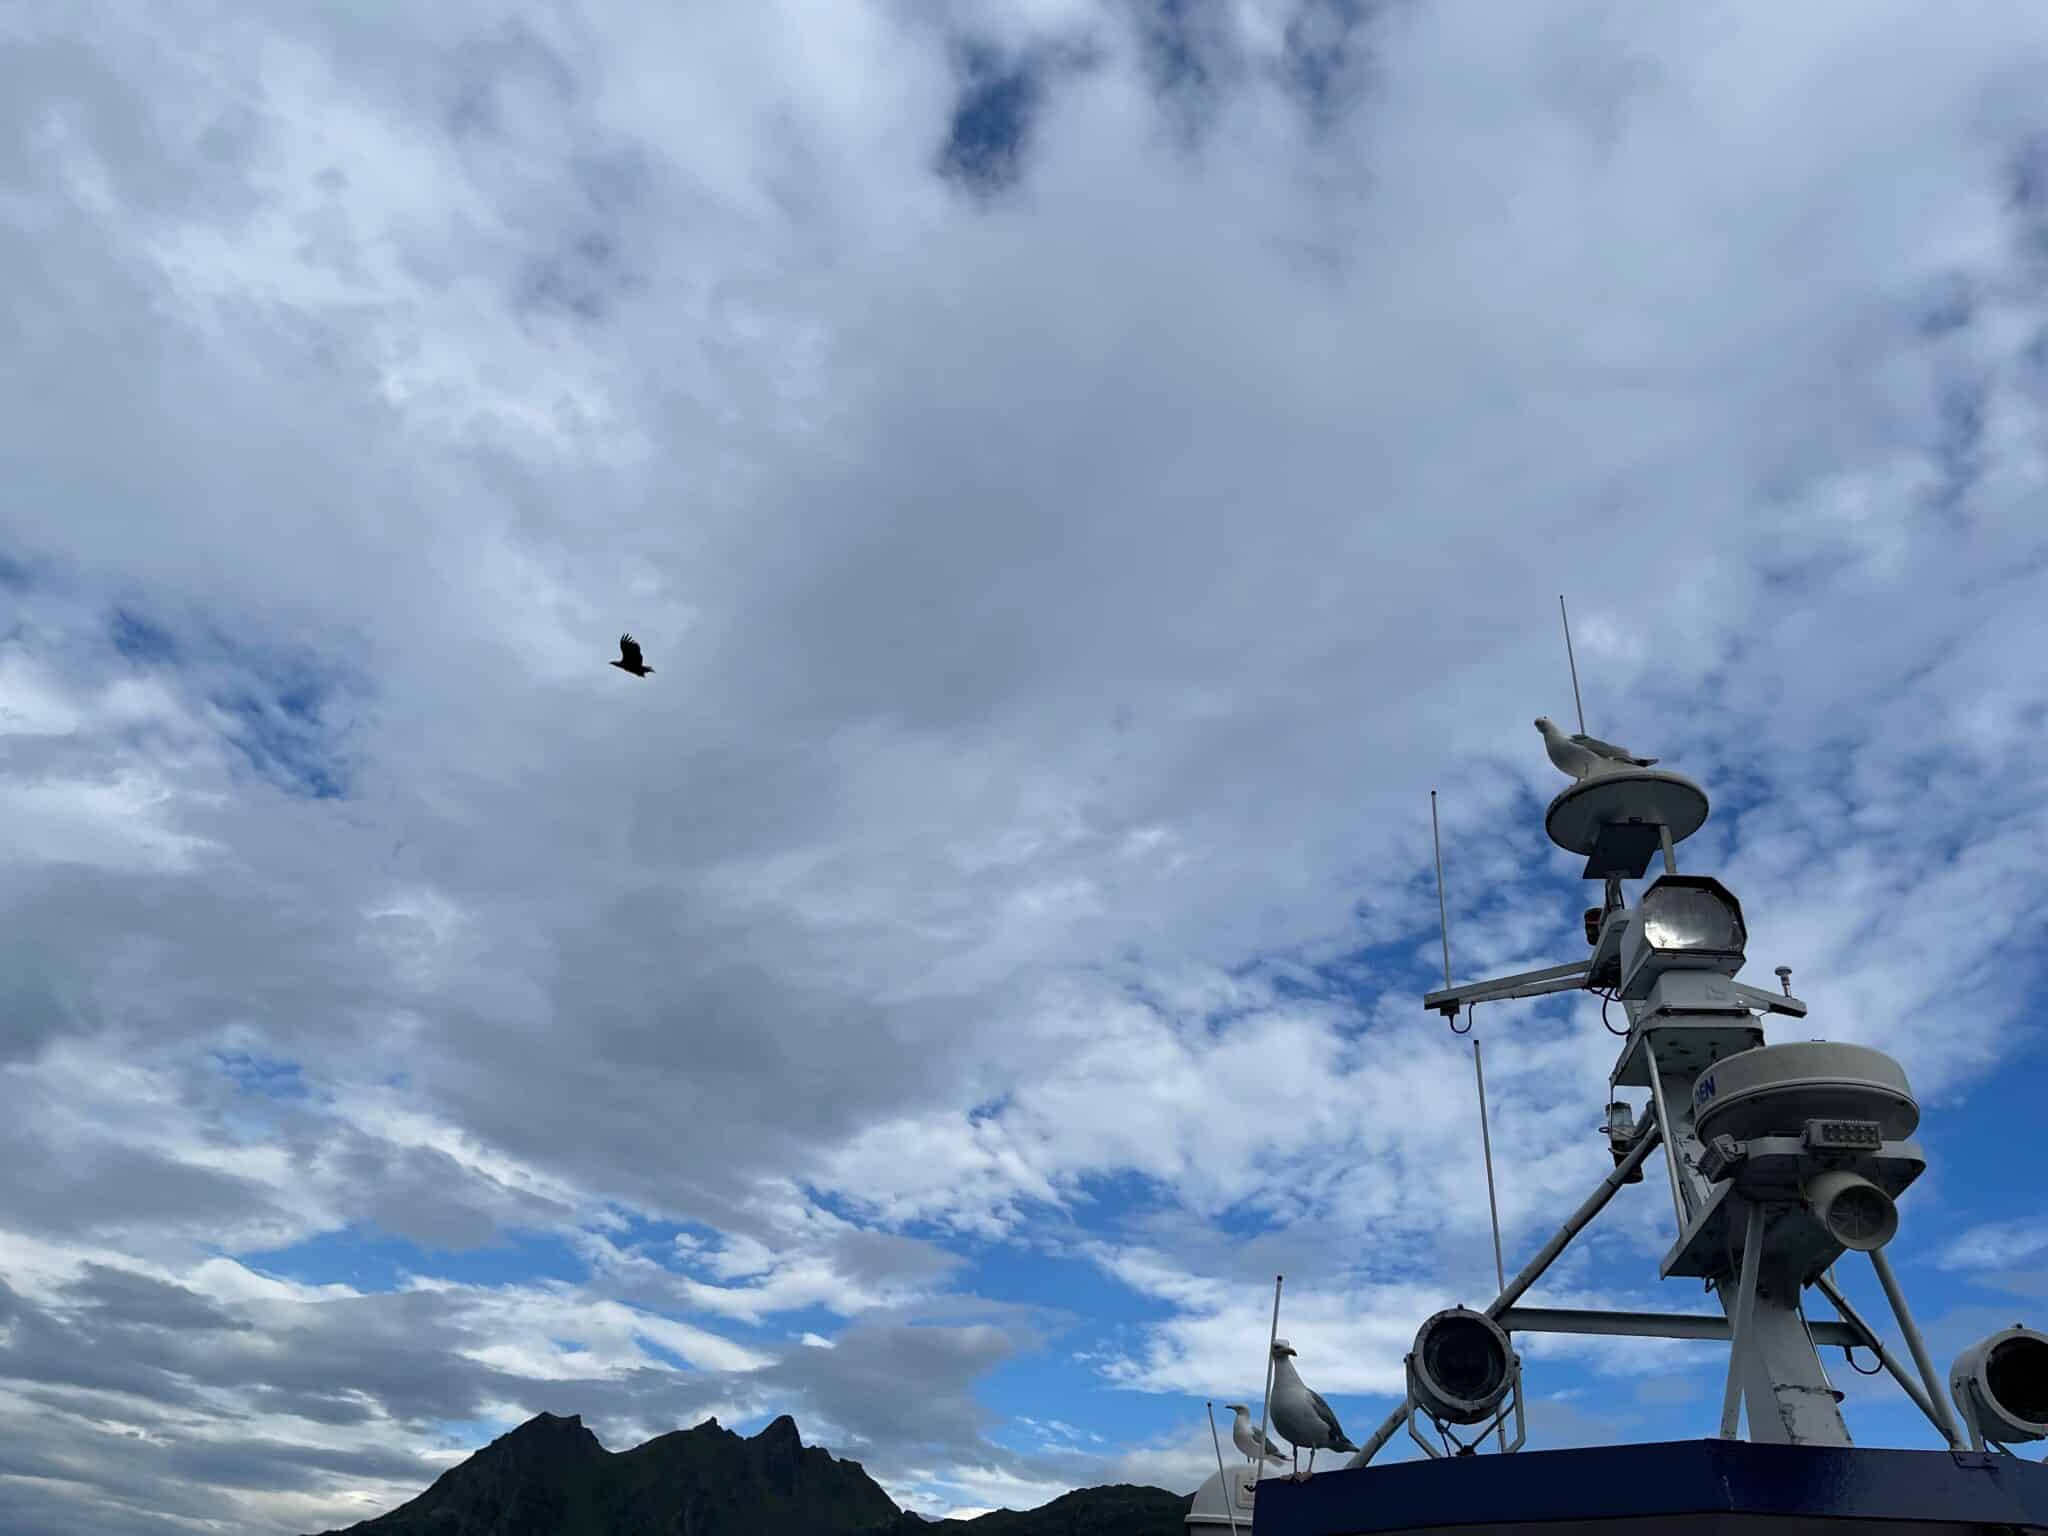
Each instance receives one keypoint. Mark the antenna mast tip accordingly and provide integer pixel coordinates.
(1573, 662)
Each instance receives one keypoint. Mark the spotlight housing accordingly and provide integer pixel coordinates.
(1462, 1366)
(2001, 1385)
(1682, 923)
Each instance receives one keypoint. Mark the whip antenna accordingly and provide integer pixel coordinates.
(1577, 703)
(1442, 912)
(1478, 1071)
(1222, 1475)
(1266, 1403)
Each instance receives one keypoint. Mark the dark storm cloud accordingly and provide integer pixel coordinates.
(428, 1197)
(135, 1300)
(885, 1256)
(42, 1346)
(342, 1409)
(107, 1188)
(905, 1386)
(401, 1352)
(271, 1464)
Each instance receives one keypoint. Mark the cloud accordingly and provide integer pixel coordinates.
(905, 1385)
(1995, 1245)
(1077, 501)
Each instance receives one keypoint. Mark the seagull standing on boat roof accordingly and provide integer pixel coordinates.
(1582, 756)
(1246, 1435)
(1300, 1413)
(629, 657)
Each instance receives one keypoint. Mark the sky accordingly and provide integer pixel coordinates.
(1082, 471)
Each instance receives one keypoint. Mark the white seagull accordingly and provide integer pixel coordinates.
(1583, 756)
(1245, 1435)
(1300, 1413)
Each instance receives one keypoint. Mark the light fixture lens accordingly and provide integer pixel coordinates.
(2016, 1371)
(1681, 918)
(1461, 1367)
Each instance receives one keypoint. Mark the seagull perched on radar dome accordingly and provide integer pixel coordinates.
(1583, 756)
(1246, 1435)
(1300, 1413)
(629, 657)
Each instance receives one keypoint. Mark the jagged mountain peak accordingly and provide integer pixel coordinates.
(552, 1477)
(552, 1432)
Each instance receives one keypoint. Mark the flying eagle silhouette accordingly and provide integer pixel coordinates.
(629, 657)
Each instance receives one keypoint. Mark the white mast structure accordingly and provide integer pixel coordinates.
(1779, 1158)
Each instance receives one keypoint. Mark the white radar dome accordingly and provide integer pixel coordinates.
(1773, 1090)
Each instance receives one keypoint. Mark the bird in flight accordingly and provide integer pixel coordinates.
(629, 657)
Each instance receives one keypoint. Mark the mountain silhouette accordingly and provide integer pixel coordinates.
(551, 1477)
(1120, 1509)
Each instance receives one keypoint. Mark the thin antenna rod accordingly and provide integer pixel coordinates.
(1442, 912)
(1577, 703)
(1222, 1476)
(1500, 1275)
(1266, 1402)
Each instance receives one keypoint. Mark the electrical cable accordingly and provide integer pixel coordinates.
(1605, 999)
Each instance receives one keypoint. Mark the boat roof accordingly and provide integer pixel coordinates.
(1646, 1487)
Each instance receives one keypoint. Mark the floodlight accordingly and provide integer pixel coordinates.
(1621, 1138)
(1461, 1367)
(1683, 922)
(2001, 1384)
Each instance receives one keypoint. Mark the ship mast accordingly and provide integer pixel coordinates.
(1778, 1159)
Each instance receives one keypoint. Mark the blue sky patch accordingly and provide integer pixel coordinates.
(991, 122)
(263, 1075)
(374, 1261)
(283, 737)
(1028, 1274)
(14, 573)
(142, 640)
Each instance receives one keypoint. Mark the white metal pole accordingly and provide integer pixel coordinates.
(1739, 1324)
(1531, 1272)
(1681, 1207)
(1575, 1223)
(1229, 1512)
(1500, 1274)
(1442, 912)
(1914, 1345)
(1577, 703)
(1266, 1402)
(1885, 1358)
